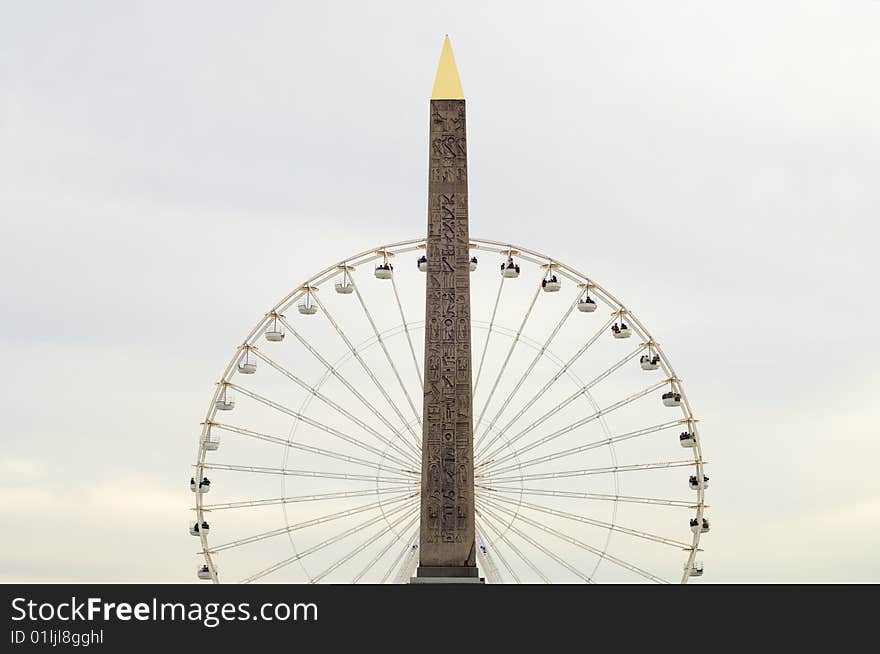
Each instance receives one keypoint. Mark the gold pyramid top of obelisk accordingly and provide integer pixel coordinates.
(447, 85)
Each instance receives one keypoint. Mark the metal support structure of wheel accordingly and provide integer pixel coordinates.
(588, 462)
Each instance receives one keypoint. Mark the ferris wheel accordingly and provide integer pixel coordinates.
(588, 465)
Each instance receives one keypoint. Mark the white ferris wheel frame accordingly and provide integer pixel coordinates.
(386, 251)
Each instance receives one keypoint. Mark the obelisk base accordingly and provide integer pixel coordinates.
(447, 575)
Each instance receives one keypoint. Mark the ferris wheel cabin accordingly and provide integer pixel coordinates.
(551, 284)
(587, 304)
(195, 529)
(671, 399)
(245, 365)
(696, 570)
(510, 269)
(384, 271)
(225, 402)
(274, 332)
(649, 362)
(700, 527)
(620, 331)
(694, 482)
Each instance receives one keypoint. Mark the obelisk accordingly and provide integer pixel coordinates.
(446, 549)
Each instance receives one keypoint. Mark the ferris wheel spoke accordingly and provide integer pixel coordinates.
(489, 470)
(503, 537)
(584, 390)
(412, 348)
(384, 551)
(412, 515)
(368, 370)
(560, 474)
(326, 543)
(578, 423)
(563, 369)
(531, 366)
(589, 548)
(416, 413)
(488, 336)
(294, 445)
(336, 407)
(509, 354)
(314, 521)
(486, 559)
(351, 389)
(318, 425)
(400, 563)
(548, 552)
(295, 499)
(480, 450)
(591, 496)
(546, 510)
(288, 472)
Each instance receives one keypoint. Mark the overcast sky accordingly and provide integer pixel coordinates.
(169, 170)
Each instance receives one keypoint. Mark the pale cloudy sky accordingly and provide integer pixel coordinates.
(169, 170)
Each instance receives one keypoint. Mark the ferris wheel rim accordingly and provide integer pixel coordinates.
(368, 256)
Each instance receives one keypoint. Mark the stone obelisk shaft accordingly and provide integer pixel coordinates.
(447, 517)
